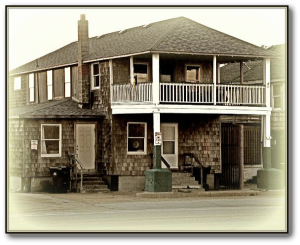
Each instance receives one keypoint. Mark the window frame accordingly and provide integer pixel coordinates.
(68, 83)
(50, 85)
(278, 96)
(93, 76)
(199, 73)
(135, 74)
(60, 140)
(31, 87)
(17, 80)
(145, 140)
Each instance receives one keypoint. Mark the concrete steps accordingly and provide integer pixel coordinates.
(185, 181)
(93, 183)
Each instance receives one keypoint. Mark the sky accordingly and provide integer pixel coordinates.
(34, 32)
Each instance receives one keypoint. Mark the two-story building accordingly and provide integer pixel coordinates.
(113, 100)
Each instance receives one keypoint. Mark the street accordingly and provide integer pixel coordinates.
(117, 212)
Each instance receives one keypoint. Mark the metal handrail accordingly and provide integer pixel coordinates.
(165, 162)
(77, 166)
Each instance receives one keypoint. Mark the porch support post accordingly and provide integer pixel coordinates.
(156, 144)
(131, 71)
(157, 179)
(155, 77)
(268, 177)
(219, 73)
(215, 79)
(241, 72)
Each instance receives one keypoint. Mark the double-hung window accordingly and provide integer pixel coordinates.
(31, 87)
(141, 72)
(49, 85)
(17, 83)
(277, 94)
(67, 82)
(95, 76)
(192, 73)
(136, 138)
(50, 140)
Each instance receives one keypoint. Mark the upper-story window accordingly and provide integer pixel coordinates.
(67, 82)
(141, 72)
(95, 76)
(17, 83)
(277, 96)
(192, 73)
(31, 87)
(49, 85)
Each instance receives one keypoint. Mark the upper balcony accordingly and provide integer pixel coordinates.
(202, 91)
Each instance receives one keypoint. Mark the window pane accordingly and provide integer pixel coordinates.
(277, 102)
(168, 147)
(31, 80)
(165, 78)
(142, 78)
(276, 90)
(135, 145)
(168, 133)
(50, 92)
(67, 89)
(140, 68)
(50, 147)
(31, 96)
(49, 77)
(95, 69)
(67, 75)
(136, 130)
(96, 81)
(17, 83)
(50, 132)
(192, 73)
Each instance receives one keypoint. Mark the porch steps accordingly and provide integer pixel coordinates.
(185, 181)
(93, 183)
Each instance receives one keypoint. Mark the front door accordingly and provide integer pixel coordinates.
(85, 145)
(169, 147)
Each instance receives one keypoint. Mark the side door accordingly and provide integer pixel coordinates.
(169, 149)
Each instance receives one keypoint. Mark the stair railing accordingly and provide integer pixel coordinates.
(75, 166)
(198, 164)
(165, 162)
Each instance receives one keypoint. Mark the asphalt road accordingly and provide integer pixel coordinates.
(115, 212)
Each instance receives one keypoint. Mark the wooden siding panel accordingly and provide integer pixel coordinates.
(59, 83)
(74, 81)
(42, 80)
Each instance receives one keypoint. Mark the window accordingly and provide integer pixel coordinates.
(49, 84)
(277, 93)
(95, 76)
(67, 82)
(31, 87)
(50, 140)
(17, 83)
(136, 138)
(192, 73)
(141, 73)
(252, 145)
(166, 73)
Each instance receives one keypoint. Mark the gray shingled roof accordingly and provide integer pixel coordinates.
(253, 71)
(65, 108)
(174, 35)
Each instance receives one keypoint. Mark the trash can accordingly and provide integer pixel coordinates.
(61, 178)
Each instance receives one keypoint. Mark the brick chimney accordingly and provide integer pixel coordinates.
(83, 69)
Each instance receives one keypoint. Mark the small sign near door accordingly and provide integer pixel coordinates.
(158, 140)
(34, 144)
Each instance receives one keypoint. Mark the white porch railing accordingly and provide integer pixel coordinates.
(128, 93)
(240, 94)
(186, 93)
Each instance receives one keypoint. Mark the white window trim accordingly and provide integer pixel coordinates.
(17, 80)
(92, 76)
(68, 83)
(31, 87)
(277, 96)
(145, 139)
(185, 73)
(60, 139)
(50, 92)
(142, 63)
